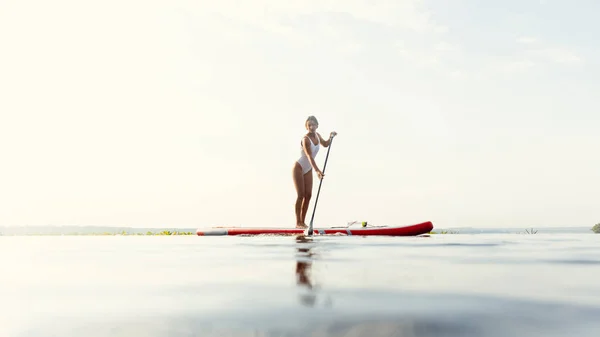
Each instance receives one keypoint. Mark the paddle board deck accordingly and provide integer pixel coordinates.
(411, 230)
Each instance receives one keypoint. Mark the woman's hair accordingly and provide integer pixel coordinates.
(313, 119)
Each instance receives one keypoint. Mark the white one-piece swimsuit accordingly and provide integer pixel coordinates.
(314, 149)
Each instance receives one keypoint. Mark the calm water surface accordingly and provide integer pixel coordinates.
(444, 285)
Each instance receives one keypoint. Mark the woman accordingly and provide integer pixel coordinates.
(303, 168)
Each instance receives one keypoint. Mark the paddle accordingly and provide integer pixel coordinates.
(309, 230)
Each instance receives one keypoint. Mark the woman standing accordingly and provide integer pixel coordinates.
(303, 168)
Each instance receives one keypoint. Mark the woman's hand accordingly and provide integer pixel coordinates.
(320, 174)
(332, 134)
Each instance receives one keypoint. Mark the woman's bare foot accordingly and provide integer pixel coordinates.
(301, 225)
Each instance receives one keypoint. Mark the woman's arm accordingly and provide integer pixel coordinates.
(327, 142)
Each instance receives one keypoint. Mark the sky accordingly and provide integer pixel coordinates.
(190, 113)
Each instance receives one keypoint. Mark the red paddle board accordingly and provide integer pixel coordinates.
(411, 230)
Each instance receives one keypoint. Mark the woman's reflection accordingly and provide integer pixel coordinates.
(303, 269)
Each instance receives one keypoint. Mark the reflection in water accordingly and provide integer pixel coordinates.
(303, 270)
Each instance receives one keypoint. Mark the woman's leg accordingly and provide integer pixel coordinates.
(299, 184)
(308, 184)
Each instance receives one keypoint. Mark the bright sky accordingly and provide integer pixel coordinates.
(190, 113)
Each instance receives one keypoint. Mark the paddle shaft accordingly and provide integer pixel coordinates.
(310, 227)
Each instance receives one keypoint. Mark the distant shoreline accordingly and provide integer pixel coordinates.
(83, 230)
(92, 230)
(162, 233)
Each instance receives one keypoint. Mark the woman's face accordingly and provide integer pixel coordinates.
(311, 126)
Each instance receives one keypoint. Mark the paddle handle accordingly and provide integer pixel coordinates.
(310, 228)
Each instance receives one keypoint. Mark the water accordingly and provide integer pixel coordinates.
(443, 285)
